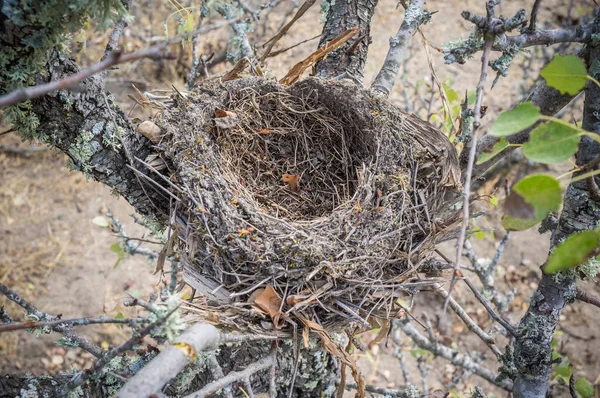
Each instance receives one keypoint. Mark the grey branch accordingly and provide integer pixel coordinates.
(82, 376)
(65, 330)
(166, 365)
(114, 58)
(457, 359)
(413, 18)
(69, 322)
(232, 377)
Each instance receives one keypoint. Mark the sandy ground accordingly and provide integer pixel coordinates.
(52, 253)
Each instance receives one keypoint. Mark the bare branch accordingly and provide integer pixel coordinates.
(112, 59)
(587, 298)
(534, 13)
(467, 320)
(271, 43)
(166, 365)
(65, 330)
(69, 322)
(113, 40)
(471, 161)
(489, 308)
(413, 18)
(447, 353)
(82, 376)
(232, 377)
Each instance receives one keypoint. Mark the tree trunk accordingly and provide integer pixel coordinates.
(352, 56)
(532, 351)
(93, 131)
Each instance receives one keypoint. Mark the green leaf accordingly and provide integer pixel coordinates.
(493, 200)
(496, 149)
(530, 201)
(451, 94)
(575, 250)
(116, 248)
(120, 316)
(551, 143)
(584, 388)
(566, 73)
(478, 233)
(512, 121)
(563, 370)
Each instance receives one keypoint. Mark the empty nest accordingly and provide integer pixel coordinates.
(329, 199)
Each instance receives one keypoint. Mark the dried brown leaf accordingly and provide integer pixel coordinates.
(296, 72)
(292, 181)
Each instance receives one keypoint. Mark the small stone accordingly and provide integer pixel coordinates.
(57, 360)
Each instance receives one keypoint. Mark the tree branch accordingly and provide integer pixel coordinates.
(587, 298)
(65, 330)
(532, 350)
(69, 322)
(414, 17)
(232, 377)
(447, 353)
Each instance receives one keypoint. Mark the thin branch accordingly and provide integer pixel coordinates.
(489, 308)
(113, 40)
(473, 149)
(112, 59)
(82, 376)
(534, 13)
(587, 298)
(451, 355)
(65, 330)
(217, 372)
(232, 377)
(413, 18)
(193, 74)
(271, 43)
(386, 392)
(467, 320)
(69, 322)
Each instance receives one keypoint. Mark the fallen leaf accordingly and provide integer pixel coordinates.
(100, 221)
(292, 181)
(222, 113)
(254, 295)
(264, 131)
(269, 301)
(246, 231)
(149, 130)
(225, 119)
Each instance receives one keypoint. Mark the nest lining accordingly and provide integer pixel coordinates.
(281, 135)
(346, 244)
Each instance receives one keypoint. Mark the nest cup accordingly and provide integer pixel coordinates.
(327, 196)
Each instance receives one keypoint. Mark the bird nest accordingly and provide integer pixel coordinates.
(315, 201)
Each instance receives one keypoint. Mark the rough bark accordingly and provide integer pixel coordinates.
(91, 129)
(532, 351)
(352, 56)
